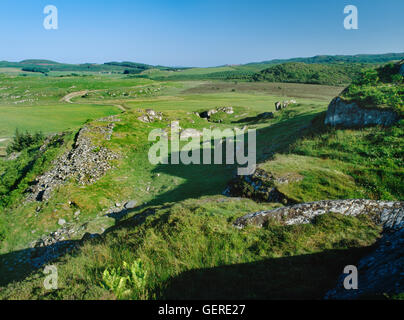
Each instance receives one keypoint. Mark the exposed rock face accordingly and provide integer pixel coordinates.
(190, 133)
(85, 162)
(284, 104)
(130, 204)
(350, 115)
(378, 273)
(259, 186)
(151, 116)
(388, 213)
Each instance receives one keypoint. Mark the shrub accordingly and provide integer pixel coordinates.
(22, 141)
(35, 69)
(378, 87)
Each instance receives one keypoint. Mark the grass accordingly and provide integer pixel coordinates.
(50, 118)
(189, 236)
(191, 250)
(371, 156)
(379, 88)
(134, 177)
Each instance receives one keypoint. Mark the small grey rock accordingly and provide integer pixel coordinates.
(130, 204)
(61, 222)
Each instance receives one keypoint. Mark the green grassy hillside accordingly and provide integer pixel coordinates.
(242, 72)
(179, 241)
(381, 88)
(299, 72)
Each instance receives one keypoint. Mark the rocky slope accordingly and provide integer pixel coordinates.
(85, 162)
(349, 114)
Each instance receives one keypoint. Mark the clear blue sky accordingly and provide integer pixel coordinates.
(196, 32)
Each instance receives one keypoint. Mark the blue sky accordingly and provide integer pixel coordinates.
(196, 33)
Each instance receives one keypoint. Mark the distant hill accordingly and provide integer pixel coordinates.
(44, 66)
(39, 62)
(330, 59)
(299, 72)
(245, 72)
(334, 70)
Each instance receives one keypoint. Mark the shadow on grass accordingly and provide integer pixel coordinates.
(200, 180)
(17, 265)
(302, 277)
(298, 277)
(205, 180)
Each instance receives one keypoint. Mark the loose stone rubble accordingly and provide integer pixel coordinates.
(85, 162)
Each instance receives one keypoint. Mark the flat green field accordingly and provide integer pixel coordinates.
(49, 118)
(195, 102)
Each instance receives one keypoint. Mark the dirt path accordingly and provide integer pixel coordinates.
(67, 98)
(120, 107)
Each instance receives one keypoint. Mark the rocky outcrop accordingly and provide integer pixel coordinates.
(378, 273)
(150, 116)
(260, 186)
(348, 114)
(85, 162)
(388, 213)
(208, 114)
(190, 133)
(279, 105)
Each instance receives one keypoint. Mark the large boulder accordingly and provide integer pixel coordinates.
(350, 115)
(260, 186)
(389, 214)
